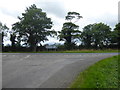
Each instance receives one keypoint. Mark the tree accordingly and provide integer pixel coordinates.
(96, 34)
(115, 35)
(33, 27)
(70, 30)
(117, 31)
(12, 39)
(86, 36)
(101, 34)
(3, 32)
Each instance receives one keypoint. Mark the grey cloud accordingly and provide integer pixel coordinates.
(56, 8)
(12, 13)
(107, 18)
(111, 20)
(112, 23)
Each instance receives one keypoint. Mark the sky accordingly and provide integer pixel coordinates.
(92, 11)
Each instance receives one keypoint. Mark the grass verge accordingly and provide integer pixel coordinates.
(103, 74)
(74, 51)
(92, 51)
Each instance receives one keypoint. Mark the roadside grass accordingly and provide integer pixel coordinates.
(92, 51)
(103, 74)
(74, 51)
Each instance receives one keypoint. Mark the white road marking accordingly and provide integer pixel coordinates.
(4, 55)
(81, 59)
(25, 57)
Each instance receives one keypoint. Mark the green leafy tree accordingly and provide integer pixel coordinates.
(101, 34)
(86, 36)
(33, 27)
(117, 31)
(115, 35)
(3, 32)
(13, 41)
(96, 35)
(70, 30)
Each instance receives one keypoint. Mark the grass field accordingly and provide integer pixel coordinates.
(103, 74)
(74, 51)
(92, 51)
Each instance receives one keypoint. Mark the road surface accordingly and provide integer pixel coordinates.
(45, 70)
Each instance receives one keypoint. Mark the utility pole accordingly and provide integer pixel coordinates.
(119, 12)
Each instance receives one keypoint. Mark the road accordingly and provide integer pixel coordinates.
(45, 70)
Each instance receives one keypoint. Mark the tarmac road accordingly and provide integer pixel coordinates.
(45, 70)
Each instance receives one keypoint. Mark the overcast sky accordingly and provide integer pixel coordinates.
(93, 11)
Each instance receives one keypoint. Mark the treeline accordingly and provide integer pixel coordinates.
(34, 27)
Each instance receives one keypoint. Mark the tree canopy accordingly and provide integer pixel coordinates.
(33, 27)
(96, 34)
(3, 32)
(115, 35)
(70, 31)
(86, 36)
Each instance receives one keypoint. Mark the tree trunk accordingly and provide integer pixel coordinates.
(2, 39)
(34, 48)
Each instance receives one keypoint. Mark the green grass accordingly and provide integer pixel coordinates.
(92, 51)
(103, 74)
(74, 51)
